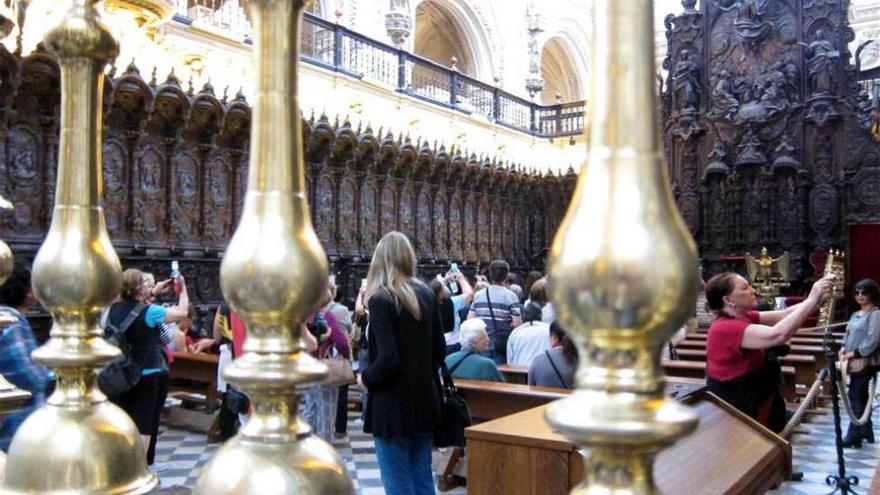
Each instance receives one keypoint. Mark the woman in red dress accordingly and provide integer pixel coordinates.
(737, 369)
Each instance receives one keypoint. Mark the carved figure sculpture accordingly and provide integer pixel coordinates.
(724, 104)
(820, 60)
(686, 82)
(748, 24)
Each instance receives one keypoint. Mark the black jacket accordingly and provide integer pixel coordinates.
(401, 377)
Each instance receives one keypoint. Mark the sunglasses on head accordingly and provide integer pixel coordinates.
(860, 292)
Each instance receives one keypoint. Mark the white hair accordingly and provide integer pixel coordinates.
(471, 331)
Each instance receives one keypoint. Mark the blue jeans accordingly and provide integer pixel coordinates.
(405, 464)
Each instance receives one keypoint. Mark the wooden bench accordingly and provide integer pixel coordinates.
(697, 369)
(794, 340)
(521, 455)
(490, 400)
(515, 373)
(812, 350)
(201, 369)
(805, 368)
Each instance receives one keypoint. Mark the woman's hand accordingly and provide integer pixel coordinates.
(161, 287)
(360, 381)
(821, 289)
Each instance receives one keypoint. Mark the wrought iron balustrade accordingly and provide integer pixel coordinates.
(337, 48)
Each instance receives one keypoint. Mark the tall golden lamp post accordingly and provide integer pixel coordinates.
(623, 268)
(274, 274)
(78, 443)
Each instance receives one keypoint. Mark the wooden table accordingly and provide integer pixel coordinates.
(521, 455)
(202, 370)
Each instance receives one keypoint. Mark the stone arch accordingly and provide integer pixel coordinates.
(447, 28)
(564, 68)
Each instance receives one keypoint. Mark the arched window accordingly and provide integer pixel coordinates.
(439, 37)
(561, 75)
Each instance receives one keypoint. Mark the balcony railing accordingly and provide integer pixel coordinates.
(339, 49)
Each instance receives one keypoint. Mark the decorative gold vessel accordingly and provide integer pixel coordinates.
(78, 443)
(623, 269)
(274, 274)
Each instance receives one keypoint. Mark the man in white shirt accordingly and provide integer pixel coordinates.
(529, 339)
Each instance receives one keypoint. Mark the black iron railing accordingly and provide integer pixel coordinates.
(339, 49)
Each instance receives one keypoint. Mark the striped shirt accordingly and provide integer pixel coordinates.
(505, 306)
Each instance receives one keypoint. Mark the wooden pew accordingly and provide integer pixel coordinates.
(812, 350)
(521, 455)
(697, 369)
(805, 368)
(794, 340)
(515, 373)
(201, 369)
(490, 400)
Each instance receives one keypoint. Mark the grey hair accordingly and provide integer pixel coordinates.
(471, 331)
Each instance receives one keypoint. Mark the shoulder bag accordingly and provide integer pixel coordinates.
(555, 369)
(454, 413)
(121, 375)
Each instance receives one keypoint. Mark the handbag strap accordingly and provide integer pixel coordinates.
(456, 365)
(133, 315)
(491, 311)
(558, 374)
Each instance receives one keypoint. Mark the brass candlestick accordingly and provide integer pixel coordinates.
(274, 274)
(78, 443)
(623, 268)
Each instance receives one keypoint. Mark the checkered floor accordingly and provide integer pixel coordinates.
(181, 455)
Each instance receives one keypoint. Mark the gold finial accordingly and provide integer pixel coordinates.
(274, 273)
(616, 301)
(78, 442)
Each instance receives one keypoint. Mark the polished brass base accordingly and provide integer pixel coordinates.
(78, 446)
(243, 466)
(6, 262)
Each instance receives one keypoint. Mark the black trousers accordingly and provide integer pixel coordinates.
(144, 403)
(858, 399)
(342, 410)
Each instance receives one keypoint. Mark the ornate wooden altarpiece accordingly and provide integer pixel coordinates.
(175, 172)
(766, 128)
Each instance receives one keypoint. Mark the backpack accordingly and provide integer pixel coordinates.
(121, 375)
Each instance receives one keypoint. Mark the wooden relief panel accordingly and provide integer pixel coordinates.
(24, 177)
(217, 220)
(116, 188)
(405, 211)
(456, 227)
(441, 227)
(484, 228)
(324, 212)
(370, 217)
(347, 217)
(183, 225)
(148, 213)
(424, 217)
(469, 227)
(389, 210)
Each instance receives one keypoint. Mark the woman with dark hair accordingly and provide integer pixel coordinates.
(406, 348)
(861, 341)
(145, 400)
(557, 366)
(737, 369)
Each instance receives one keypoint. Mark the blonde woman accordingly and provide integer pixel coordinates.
(145, 400)
(405, 348)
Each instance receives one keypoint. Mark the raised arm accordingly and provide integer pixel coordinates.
(760, 336)
(181, 311)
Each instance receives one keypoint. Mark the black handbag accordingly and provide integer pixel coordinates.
(455, 415)
(123, 374)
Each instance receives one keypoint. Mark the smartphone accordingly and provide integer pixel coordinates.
(363, 284)
(453, 285)
(175, 274)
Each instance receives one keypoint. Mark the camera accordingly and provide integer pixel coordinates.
(318, 325)
(453, 285)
